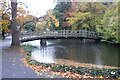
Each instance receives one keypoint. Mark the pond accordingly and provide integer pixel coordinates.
(76, 50)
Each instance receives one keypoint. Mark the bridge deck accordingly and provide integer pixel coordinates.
(61, 34)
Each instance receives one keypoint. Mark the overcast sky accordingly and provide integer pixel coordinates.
(38, 7)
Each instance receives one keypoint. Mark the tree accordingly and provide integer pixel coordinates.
(19, 19)
(5, 27)
(84, 15)
(5, 21)
(101, 17)
(25, 20)
(14, 28)
(118, 33)
(41, 24)
(51, 21)
(109, 26)
(59, 10)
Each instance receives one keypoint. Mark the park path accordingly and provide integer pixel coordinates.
(12, 67)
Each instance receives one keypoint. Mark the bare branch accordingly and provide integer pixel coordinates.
(6, 11)
(23, 4)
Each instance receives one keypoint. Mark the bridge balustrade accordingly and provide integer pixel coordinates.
(59, 33)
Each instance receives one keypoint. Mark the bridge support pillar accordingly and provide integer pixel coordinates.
(43, 42)
(97, 40)
(81, 39)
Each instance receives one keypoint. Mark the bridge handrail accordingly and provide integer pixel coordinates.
(61, 33)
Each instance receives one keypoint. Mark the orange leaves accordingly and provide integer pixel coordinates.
(34, 67)
(23, 59)
(5, 21)
(64, 24)
(38, 68)
(71, 75)
(20, 19)
(51, 19)
(29, 17)
(21, 10)
(21, 50)
(48, 21)
(67, 74)
(24, 18)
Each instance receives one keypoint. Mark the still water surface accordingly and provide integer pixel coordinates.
(76, 50)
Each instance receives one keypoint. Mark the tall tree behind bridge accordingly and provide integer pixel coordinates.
(15, 30)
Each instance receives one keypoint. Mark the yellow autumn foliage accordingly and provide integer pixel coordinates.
(51, 19)
(21, 10)
(5, 24)
(40, 25)
(76, 17)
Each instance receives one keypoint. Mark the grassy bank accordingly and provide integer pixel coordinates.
(68, 71)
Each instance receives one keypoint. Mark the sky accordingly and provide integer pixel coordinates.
(38, 7)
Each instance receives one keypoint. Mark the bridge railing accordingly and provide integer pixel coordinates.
(60, 33)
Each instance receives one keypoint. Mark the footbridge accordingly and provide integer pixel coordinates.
(59, 34)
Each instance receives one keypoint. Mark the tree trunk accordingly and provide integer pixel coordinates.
(3, 34)
(15, 30)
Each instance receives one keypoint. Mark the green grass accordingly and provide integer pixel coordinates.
(28, 49)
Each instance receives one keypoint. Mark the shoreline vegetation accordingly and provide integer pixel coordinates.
(73, 70)
(108, 42)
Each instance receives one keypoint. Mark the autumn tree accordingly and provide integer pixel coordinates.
(59, 10)
(109, 24)
(13, 18)
(5, 15)
(101, 17)
(85, 15)
(41, 24)
(14, 28)
(51, 21)
(24, 19)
